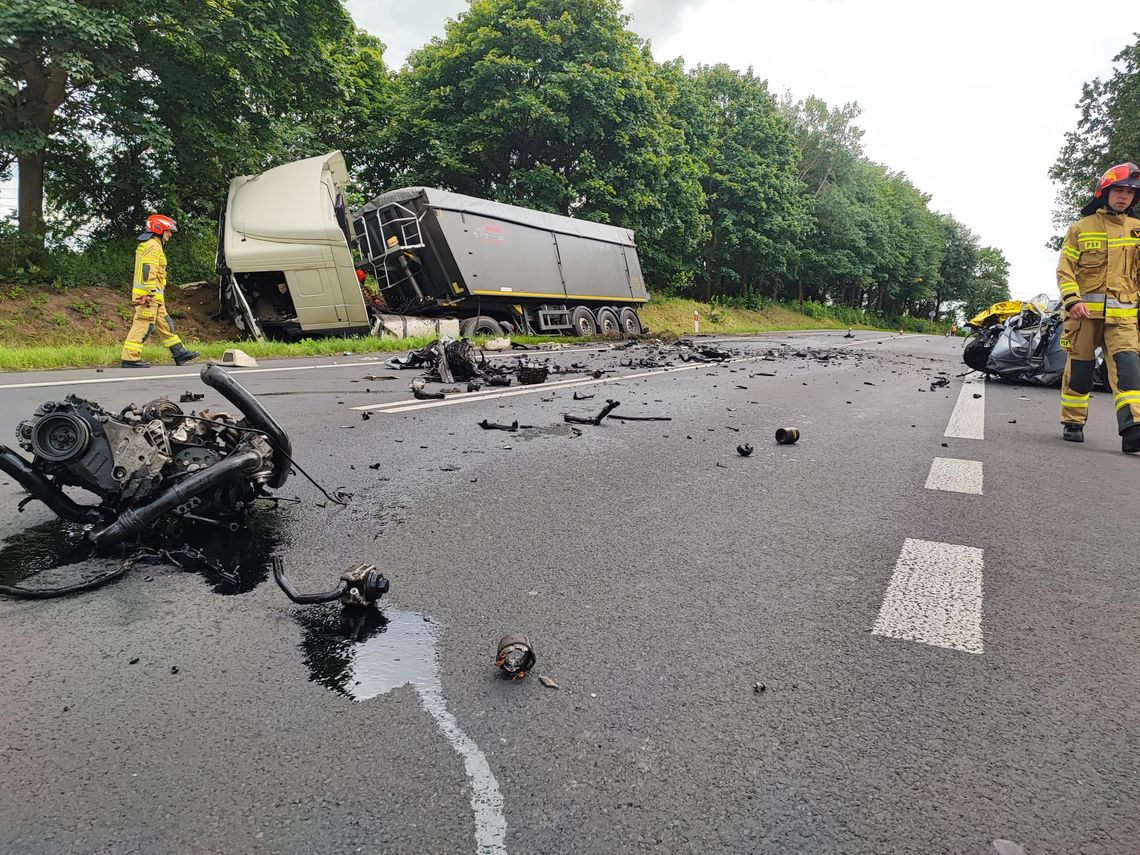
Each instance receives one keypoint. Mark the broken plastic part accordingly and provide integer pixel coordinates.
(744, 450)
(486, 425)
(515, 655)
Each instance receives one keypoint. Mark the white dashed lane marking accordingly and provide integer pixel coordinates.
(968, 421)
(955, 476)
(935, 596)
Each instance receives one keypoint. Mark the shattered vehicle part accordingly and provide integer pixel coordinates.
(610, 406)
(150, 461)
(488, 425)
(1021, 342)
(515, 655)
(744, 450)
(578, 396)
(531, 374)
(787, 436)
(359, 585)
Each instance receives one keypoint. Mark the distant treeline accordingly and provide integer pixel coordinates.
(114, 110)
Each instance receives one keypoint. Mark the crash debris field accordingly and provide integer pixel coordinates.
(784, 593)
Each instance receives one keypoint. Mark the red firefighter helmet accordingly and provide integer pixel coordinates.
(1121, 175)
(159, 224)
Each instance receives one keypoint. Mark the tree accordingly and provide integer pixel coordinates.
(748, 158)
(1108, 132)
(958, 270)
(991, 281)
(116, 106)
(556, 105)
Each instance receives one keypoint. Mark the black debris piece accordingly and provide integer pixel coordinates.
(190, 397)
(486, 425)
(531, 374)
(365, 417)
(423, 395)
(597, 420)
(578, 396)
(626, 418)
(744, 450)
(373, 465)
(515, 656)
(498, 381)
(474, 387)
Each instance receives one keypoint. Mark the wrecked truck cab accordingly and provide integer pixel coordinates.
(284, 257)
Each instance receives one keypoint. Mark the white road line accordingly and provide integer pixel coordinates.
(136, 374)
(955, 476)
(935, 596)
(968, 421)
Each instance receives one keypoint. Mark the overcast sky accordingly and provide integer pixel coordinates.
(970, 99)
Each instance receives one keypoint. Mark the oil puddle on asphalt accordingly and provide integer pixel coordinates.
(54, 552)
(363, 653)
(57, 553)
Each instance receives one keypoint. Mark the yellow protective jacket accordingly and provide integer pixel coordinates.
(1100, 262)
(150, 271)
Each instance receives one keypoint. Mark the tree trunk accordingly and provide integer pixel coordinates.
(30, 196)
(34, 108)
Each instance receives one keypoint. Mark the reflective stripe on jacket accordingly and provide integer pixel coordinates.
(150, 270)
(1101, 256)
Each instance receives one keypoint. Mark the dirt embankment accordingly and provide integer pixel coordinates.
(38, 316)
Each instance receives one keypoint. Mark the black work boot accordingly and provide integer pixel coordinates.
(134, 363)
(1076, 433)
(1130, 440)
(182, 355)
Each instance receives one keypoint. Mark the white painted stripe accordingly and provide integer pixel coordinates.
(935, 596)
(968, 421)
(955, 476)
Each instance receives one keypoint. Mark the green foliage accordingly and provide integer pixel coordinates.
(556, 105)
(1107, 132)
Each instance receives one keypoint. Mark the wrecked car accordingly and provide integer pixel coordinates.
(1021, 341)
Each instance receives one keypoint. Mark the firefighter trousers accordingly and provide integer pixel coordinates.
(1121, 344)
(148, 319)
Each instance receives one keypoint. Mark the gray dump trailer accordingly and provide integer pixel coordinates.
(290, 253)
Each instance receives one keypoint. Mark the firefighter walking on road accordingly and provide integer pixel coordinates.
(1097, 275)
(148, 294)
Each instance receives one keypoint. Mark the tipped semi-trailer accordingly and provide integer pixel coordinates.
(291, 257)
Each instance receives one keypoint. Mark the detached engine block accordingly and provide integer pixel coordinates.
(150, 461)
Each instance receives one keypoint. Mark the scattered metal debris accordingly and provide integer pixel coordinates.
(190, 397)
(515, 656)
(360, 585)
(787, 436)
(744, 450)
(578, 396)
(596, 420)
(487, 425)
(531, 374)
(547, 681)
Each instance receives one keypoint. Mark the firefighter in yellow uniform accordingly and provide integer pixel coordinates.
(1097, 275)
(148, 294)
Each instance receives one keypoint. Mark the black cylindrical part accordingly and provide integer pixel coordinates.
(257, 416)
(787, 436)
(40, 487)
(132, 521)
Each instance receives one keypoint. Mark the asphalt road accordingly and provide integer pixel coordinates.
(662, 579)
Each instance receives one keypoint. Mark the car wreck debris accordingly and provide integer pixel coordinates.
(515, 656)
(596, 420)
(787, 436)
(744, 450)
(487, 425)
(360, 585)
(147, 462)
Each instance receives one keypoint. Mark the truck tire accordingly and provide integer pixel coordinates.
(608, 324)
(584, 323)
(630, 322)
(480, 325)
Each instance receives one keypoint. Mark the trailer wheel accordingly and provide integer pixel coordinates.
(584, 323)
(608, 323)
(630, 322)
(480, 325)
